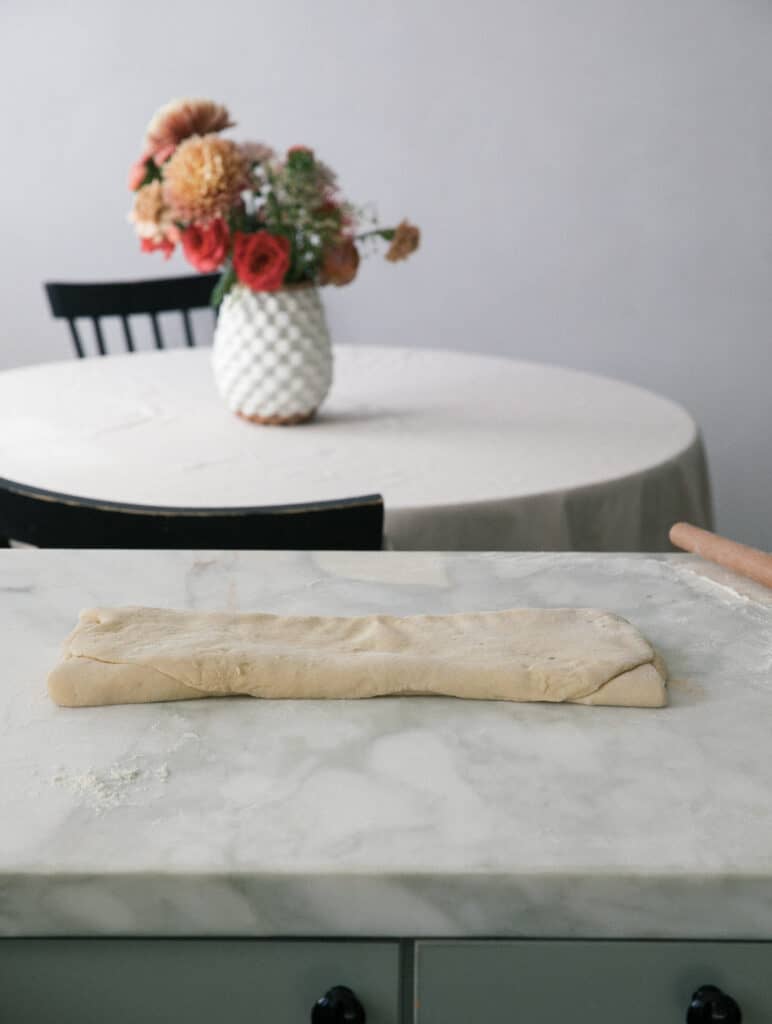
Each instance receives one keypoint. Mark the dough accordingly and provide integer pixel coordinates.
(134, 655)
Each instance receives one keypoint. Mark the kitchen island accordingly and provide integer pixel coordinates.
(443, 858)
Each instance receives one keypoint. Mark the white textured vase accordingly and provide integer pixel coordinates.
(272, 356)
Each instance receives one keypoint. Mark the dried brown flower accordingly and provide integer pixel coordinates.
(256, 152)
(180, 119)
(204, 178)
(405, 241)
(339, 264)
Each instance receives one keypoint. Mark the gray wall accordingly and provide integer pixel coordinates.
(593, 177)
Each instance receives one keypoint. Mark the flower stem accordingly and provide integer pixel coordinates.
(387, 234)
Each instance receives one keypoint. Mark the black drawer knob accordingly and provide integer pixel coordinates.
(338, 1005)
(710, 1005)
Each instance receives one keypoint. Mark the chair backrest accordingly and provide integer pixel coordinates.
(124, 299)
(47, 519)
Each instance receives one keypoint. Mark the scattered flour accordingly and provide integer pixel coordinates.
(722, 583)
(727, 592)
(103, 790)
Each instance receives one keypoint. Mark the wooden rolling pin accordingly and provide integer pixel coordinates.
(750, 562)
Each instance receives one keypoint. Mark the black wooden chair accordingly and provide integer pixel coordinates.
(47, 519)
(50, 520)
(124, 299)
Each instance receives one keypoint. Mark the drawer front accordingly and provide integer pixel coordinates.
(551, 982)
(195, 981)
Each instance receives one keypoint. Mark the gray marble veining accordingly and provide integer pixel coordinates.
(398, 816)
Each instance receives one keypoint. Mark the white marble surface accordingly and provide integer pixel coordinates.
(399, 816)
(470, 452)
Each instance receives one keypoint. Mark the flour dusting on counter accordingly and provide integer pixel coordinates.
(103, 790)
(721, 584)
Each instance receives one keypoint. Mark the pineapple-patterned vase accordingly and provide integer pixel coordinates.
(272, 356)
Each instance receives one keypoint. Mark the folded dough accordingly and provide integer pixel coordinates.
(134, 655)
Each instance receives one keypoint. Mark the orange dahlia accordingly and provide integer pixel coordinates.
(180, 119)
(151, 217)
(204, 178)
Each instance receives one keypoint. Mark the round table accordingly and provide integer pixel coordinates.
(470, 452)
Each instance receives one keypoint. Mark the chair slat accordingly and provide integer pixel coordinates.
(162, 295)
(156, 331)
(125, 299)
(76, 338)
(98, 335)
(127, 335)
(189, 339)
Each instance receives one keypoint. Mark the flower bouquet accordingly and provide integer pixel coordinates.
(275, 227)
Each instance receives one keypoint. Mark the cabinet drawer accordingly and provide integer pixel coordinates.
(546, 982)
(198, 981)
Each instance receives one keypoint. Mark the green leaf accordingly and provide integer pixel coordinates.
(301, 160)
(152, 173)
(223, 286)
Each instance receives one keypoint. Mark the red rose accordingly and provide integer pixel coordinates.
(261, 260)
(166, 246)
(206, 245)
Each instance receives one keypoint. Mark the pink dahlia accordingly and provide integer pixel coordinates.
(257, 152)
(180, 119)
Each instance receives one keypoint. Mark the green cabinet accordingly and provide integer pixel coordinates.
(195, 981)
(585, 982)
(260, 981)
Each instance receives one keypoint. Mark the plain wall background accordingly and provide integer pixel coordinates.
(593, 179)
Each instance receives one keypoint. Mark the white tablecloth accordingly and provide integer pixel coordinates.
(469, 452)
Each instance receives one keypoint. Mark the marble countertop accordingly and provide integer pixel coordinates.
(398, 816)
